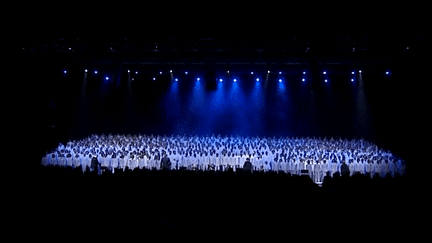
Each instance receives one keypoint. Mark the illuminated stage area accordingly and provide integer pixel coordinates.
(315, 157)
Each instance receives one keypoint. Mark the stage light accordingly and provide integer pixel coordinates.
(251, 72)
(352, 72)
(280, 80)
(235, 80)
(324, 72)
(128, 71)
(154, 79)
(257, 79)
(176, 79)
(106, 78)
(220, 80)
(360, 71)
(280, 72)
(186, 72)
(85, 70)
(64, 71)
(352, 80)
(170, 71)
(227, 71)
(132, 79)
(160, 72)
(268, 71)
(95, 72)
(136, 72)
(387, 72)
(325, 80)
(198, 79)
(303, 79)
(304, 72)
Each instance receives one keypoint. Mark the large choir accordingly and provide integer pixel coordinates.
(317, 156)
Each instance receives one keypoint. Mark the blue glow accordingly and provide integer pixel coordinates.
(304, 72)
(324, 72)
(281, 87)
(106, 78)
(257, 79)
(198, 79)
(352, 80)
(280, 72)
(85, 70)
(268, 71)
(95, 72)
(280, 80)
(186, 72)
(360, 71)
(251, 72)
(353, 72)
(160, 72)
(235, 80)
(170, 71)
(64, 71)
(325, 80)
(136, 72)
(128, 71)
(154, 78)
(303, 79)
(387, 73)
(176, 79)
(220, 80)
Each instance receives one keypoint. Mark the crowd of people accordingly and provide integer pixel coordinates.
(314, 156)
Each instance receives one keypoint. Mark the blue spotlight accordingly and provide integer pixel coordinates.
(325, 80)
(303, 79)
(352, 72)
(170, 71)
(228, 72)
(324, 72)
(280, 72)
(128, 71)
(95, 72)
(360, 71)
(186, 72)
(220, 80)
(176, 79)
(198, 79)
(106, 78)
(154, 79)
(251, 72)
(64, 71)
(160, 72)
(352, 80)
(387, 73)
(257, 79)
(304, 72)
(235, 80)
(85, 70)
(268, 71)
(280, 80)
(136, 72)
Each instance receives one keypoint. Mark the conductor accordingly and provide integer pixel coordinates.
(247, 166)
(165, 163)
